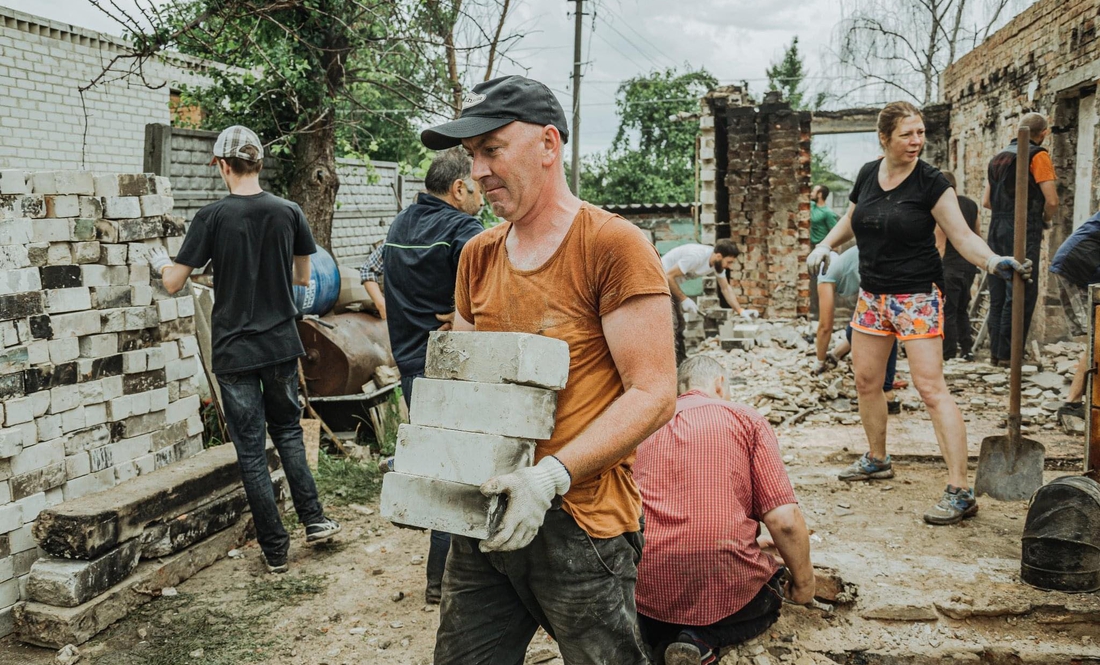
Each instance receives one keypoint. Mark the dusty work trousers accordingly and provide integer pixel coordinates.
(269, 395)
(1001, 291)
(578, 588)
(440, 542)
(746, 623)
(678, 332)
(957, 336)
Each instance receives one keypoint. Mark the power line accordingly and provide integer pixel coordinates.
(610, 25)
(645, 40)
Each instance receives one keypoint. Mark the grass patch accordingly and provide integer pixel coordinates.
(226, 636)
(282, 589)
(343, 481)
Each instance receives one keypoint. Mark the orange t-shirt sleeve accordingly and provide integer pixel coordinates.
(1042, 169)
(462, 280)
(627, 265)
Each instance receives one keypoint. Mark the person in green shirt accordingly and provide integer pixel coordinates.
(822, 217)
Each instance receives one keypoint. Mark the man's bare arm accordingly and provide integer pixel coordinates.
(1050, 196)
(175, 276)
(375, 293)
(986, 203)
(639, 334)
(673, 285)
(301, 270)
(727, 292)
(788, 530)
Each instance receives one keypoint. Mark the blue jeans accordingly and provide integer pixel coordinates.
(441, 541)
(891, 362)
(269, 395)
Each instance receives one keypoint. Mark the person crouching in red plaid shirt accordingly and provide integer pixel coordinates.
(708, 478)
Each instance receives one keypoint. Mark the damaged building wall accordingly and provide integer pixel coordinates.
(1046, 60)
(44, 63)
(755, 176)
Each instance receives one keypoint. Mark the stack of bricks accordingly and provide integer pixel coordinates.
(98, 366)
(486, 399)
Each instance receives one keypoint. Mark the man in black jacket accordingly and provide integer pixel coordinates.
(420, 261)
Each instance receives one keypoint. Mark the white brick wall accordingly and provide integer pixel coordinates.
(42, 65)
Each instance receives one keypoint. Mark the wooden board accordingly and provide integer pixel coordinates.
(311, 438)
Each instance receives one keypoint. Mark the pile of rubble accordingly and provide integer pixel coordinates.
(771, 367)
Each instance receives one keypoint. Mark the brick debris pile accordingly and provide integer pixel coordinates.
(98, 370)
(770, 365)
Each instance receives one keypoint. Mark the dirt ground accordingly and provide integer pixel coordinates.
(923, 594)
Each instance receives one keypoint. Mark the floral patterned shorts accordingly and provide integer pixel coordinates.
(906, 316)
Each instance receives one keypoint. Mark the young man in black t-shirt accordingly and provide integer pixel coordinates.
(260, 246)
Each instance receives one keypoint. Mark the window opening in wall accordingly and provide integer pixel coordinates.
(1087, 119)
(189, 116)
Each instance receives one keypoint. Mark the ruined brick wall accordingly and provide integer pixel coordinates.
(42, 65)
(767, 186)
(1047, 60)
(366, 202)
(99, 374)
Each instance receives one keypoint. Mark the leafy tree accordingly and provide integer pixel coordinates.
(316, 79)
(787, 77)
(652, 158)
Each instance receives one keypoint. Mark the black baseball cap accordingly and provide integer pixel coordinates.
(492, 105)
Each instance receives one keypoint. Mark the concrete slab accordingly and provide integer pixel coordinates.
(441, 505)
(54, 627)
(498, 357)
(489, 408)
(71, 582)
(89, 526)
(460, 457)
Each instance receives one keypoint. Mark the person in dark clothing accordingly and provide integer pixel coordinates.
(260, 246)
(417, 266)
(1042, 204)
(897, 202)
(1075, 265)
(958, 278)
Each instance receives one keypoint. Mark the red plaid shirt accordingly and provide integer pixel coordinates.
(707, 478)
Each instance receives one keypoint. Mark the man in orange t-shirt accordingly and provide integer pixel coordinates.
(1042, 204)
(565, 554)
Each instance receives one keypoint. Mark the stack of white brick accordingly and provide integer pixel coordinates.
(98, 363)
(486, 399)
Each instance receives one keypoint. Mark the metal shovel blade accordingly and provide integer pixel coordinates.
(1009, 472)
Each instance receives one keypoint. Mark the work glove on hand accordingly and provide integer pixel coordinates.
(819, 259)
(688, 306)
(529, 491)
(749, 314)
(1005, 266)
(158, 259)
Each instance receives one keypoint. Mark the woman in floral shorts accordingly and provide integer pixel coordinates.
(896, 203)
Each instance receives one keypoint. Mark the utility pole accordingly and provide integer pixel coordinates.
(576, 132)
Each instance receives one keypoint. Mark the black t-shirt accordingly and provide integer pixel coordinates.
(419, 267)
(895, 230)
(951, 257)
(252, 241)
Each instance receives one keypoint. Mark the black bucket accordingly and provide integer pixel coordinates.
(1061, 542)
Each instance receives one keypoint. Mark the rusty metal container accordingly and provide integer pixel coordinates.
(342, 352)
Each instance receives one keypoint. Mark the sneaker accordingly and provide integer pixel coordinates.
(968, 357)
(893, 407)
(276, 563)
(868, 468)
(323, 530)
(956, 505)
(688, 651)
(1076, 409)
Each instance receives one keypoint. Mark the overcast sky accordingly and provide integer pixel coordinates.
(736, 40)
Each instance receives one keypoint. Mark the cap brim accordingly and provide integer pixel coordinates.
(450, 134)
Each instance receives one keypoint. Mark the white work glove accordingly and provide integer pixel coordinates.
(819, 259)
(158, 259)
(750, 314)
(530, 491)
(688, 306)
(1005, 266)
